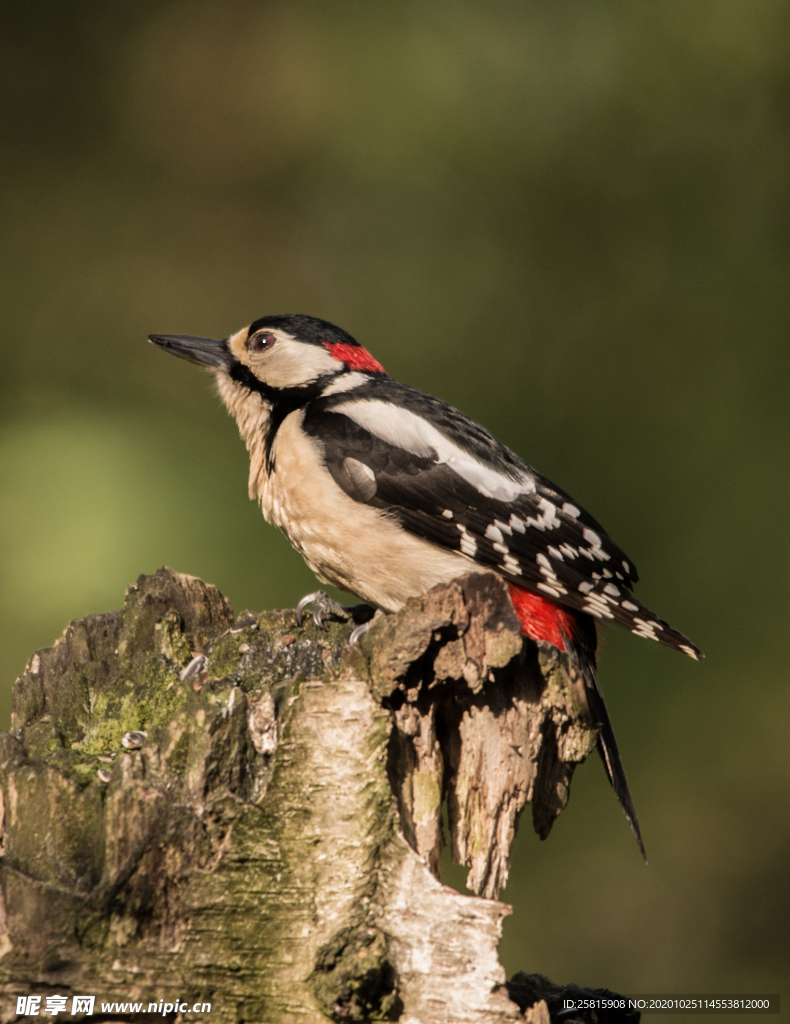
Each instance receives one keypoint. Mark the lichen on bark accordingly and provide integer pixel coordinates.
(269, 842)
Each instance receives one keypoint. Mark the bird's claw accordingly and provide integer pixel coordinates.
(325, 607)
(362, 630)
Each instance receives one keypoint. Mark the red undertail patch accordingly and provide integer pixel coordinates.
(355, 357)
(541, 619)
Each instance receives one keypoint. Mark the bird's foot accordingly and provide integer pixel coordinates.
(362, 629)
(325, 607)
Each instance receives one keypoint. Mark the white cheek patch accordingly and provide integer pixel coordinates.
(292, 364)
(404, 429)
(288, 363)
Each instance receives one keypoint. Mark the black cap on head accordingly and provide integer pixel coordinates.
(305, 328)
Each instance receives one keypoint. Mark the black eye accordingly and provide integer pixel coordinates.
(260, 342)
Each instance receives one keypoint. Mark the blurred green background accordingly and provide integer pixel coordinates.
(571, 220)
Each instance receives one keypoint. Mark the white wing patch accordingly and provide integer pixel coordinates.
(404, 429)
(345, 382)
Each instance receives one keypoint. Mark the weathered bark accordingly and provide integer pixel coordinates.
(269, 839)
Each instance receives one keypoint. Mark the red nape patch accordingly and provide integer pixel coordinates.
(542, 619)
(355, 357)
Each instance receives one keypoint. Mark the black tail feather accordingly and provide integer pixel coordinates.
(607, 744)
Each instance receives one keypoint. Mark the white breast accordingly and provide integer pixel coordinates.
(346, 543)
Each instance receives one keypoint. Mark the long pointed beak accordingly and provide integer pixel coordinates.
(203, 351)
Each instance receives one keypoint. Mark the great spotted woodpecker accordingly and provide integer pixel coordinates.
(387, 491)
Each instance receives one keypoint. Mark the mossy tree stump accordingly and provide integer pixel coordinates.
(269, 839)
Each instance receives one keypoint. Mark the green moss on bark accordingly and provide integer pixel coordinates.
(246, 850)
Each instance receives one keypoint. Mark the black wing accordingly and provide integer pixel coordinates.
(446, 479)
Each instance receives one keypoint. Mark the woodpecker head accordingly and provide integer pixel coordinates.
(273, 367)
(276, 357)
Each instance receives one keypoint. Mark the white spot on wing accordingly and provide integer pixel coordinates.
(571, 510)
(595, 550)
(547, 518)
(404, 429)
(468, 543)
(511, 565)
(596, 605)
(447, 513)
(494, 534)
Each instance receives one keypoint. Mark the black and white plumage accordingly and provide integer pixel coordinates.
(387, 491)
(448, 480)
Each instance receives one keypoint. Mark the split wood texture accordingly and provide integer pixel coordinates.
(269, 839)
